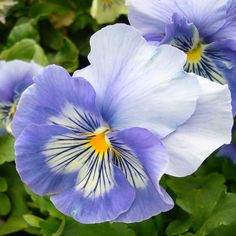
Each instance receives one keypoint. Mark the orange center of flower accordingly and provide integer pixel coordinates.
(99, 142)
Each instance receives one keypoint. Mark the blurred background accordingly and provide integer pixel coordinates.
(58, 32)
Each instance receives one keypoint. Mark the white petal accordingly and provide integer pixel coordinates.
(138, 84)
(208, 129)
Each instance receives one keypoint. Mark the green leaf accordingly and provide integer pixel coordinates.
(67, 56)
(32, 220)
(44, 204)
(46, 8)
(223, 214)
(3, 185)
(16, 191)
(51, 37)
(224, 230)
(23, 31)
(178, 227)
(144, 228)
(50, 226)
(198, 195)
(5, 205)
(6, 148)
(206, 201)
(106, 229)
(26, 49)
(12, 225)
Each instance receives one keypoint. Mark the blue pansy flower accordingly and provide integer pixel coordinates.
(100, 141)
(15, 77)
(229, 150)
(204, 29)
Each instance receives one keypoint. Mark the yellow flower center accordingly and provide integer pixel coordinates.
(195, 54)
(99, 142)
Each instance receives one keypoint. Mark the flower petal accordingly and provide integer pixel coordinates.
(207, 16)
(140, 79)
(213, 61)
(97, 209)
(53, 97)
(143, 160)
(15, 77)
(54, 160)
(107, 11)
(203, 133)
(34, 164)
(228, 30)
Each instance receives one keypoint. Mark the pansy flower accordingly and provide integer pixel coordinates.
(100, 141)
(204, 30)
(15, 77)
(106, 11)
(229, 150)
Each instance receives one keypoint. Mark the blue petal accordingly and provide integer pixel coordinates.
(229, 150)
(216, 60)
(151, 15)
(181, 34)
(143, 160)
(52, 98)
(96, 209)
(15, 77)
(34, 165)
(228, 30)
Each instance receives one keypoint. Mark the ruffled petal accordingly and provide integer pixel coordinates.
(15, 77)
(214, 61)
(145, 16)
(228, 30)
(207, 16)
(55, 98)
(208, 129)
(143, 160)
(55, 160)
(40, 165)
(139, 85)
(96, 209)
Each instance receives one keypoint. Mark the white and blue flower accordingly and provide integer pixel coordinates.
(204, 30)
(15, 77)
(100, 141)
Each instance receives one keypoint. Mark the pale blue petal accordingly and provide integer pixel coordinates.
(138, 84)
(51, 100)
(96, 209)
(208, 129)
(208, 16)
(228, 30)
(143, 160)
(15, 77)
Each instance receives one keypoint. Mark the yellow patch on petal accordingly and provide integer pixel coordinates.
(99, 142)
(195, 54)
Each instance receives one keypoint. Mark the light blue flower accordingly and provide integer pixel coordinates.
(15, 77)
(204, 29)
(101, 140)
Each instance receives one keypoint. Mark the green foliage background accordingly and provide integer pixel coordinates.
(58, 31)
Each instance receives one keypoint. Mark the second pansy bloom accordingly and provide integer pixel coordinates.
(204, 30)
(101, 141)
